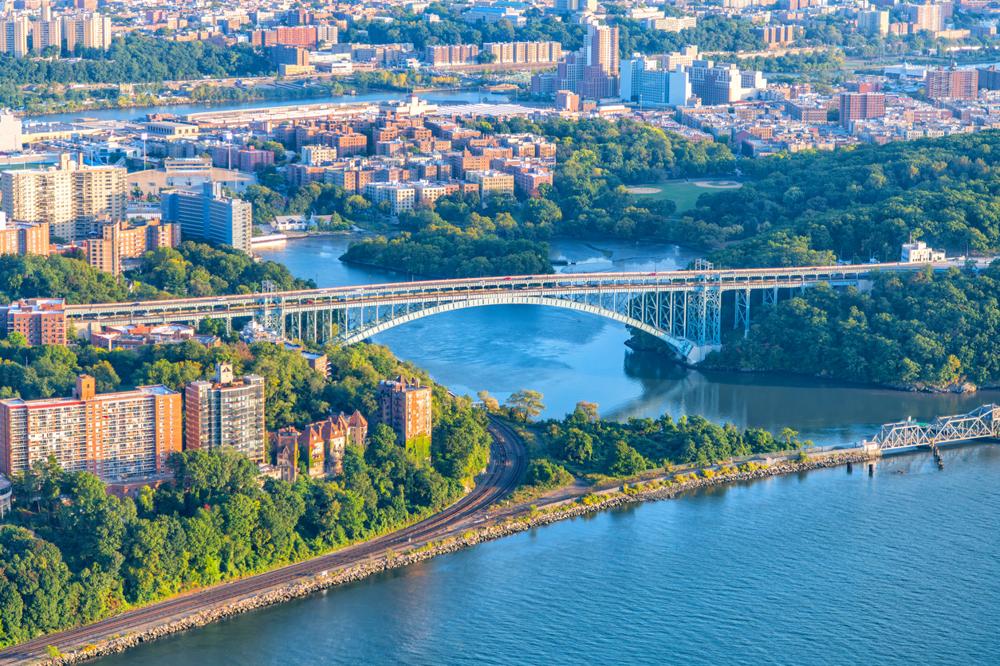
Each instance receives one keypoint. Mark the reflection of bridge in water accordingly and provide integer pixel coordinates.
(980, 423)
(682, 308)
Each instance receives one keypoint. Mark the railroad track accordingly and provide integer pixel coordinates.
(507, 464)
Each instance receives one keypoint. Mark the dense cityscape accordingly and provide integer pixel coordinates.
(235, 239)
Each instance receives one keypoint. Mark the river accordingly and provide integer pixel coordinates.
(442, 97)
(571, 356)
(821, 568)
(824, 567)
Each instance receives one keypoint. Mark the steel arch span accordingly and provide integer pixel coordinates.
(685, 349)
(682, 308)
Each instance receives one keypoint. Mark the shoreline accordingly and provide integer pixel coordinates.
(502, 523)
(346, 96)
(173, 101)
(966, 388)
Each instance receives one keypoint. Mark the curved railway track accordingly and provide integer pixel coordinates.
(507, 465)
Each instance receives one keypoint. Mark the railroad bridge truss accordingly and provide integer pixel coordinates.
(685, 309)
(980, 423)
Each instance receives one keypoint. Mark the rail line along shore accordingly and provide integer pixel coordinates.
(506, 522)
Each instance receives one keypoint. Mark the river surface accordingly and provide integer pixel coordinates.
(571, 356)
(818, 568)
(812, 569)
(443, 97)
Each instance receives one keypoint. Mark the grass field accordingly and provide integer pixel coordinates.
(684, 193)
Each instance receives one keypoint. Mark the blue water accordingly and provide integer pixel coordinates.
(571, 356)
(819, 568)
(443, 97)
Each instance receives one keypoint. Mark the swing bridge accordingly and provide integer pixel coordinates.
(981, 423)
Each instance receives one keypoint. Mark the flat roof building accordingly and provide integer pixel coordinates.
(226, 412)
(69, 198)
(23, 238)
(42, 321)
(210, 216)
(127, 434)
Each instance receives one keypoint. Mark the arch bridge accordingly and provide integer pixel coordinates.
(682, 308)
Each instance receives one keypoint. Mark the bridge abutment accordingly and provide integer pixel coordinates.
(699, 353)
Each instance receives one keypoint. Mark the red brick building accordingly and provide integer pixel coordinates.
(42, 321)
(405, 407)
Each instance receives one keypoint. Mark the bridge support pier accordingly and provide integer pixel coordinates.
(741, 313)
(699, 353)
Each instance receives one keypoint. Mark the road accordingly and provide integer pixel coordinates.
(507, 464)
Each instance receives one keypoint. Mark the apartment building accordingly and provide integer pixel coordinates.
(46, 31)
(226, 412)
(875, 22)
(523, 53)
(42, 321)
(210, 216)
(952, 83)
(927, 17)
(352, 179)
(14, 36)
(122, 435)
(600, 74)
(298, 35)
(777, 35)
(451, 54)
(351, 144)
(68, 198)
(405, 406)
(119, 241)
(23, 238)
(87, 31)
(320, 446)
(860, 106)
(318, 155)
(491, 181)
(400, 196)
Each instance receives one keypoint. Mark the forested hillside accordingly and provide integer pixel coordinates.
(924, 330)
(855, 204)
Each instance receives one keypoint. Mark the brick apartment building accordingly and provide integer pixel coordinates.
(42, 321)
(405, 407)
(123, 435)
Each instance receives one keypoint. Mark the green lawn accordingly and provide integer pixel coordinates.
(683, 193)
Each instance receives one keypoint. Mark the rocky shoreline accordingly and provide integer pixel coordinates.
(656, 489)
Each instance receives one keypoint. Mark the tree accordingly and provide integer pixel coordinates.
(461, 444)
(788, 436)
(577, 446)
(491, 404)
(105, 377)
(525, 404)
(585, 412)
(545, 474)
(626, 461)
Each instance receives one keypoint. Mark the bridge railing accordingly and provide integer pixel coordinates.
(981, 423)
(762, 278)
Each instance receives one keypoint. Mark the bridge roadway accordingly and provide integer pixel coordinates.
(519, 287)
(684, 309)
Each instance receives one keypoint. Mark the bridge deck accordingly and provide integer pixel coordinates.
(526, 286)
